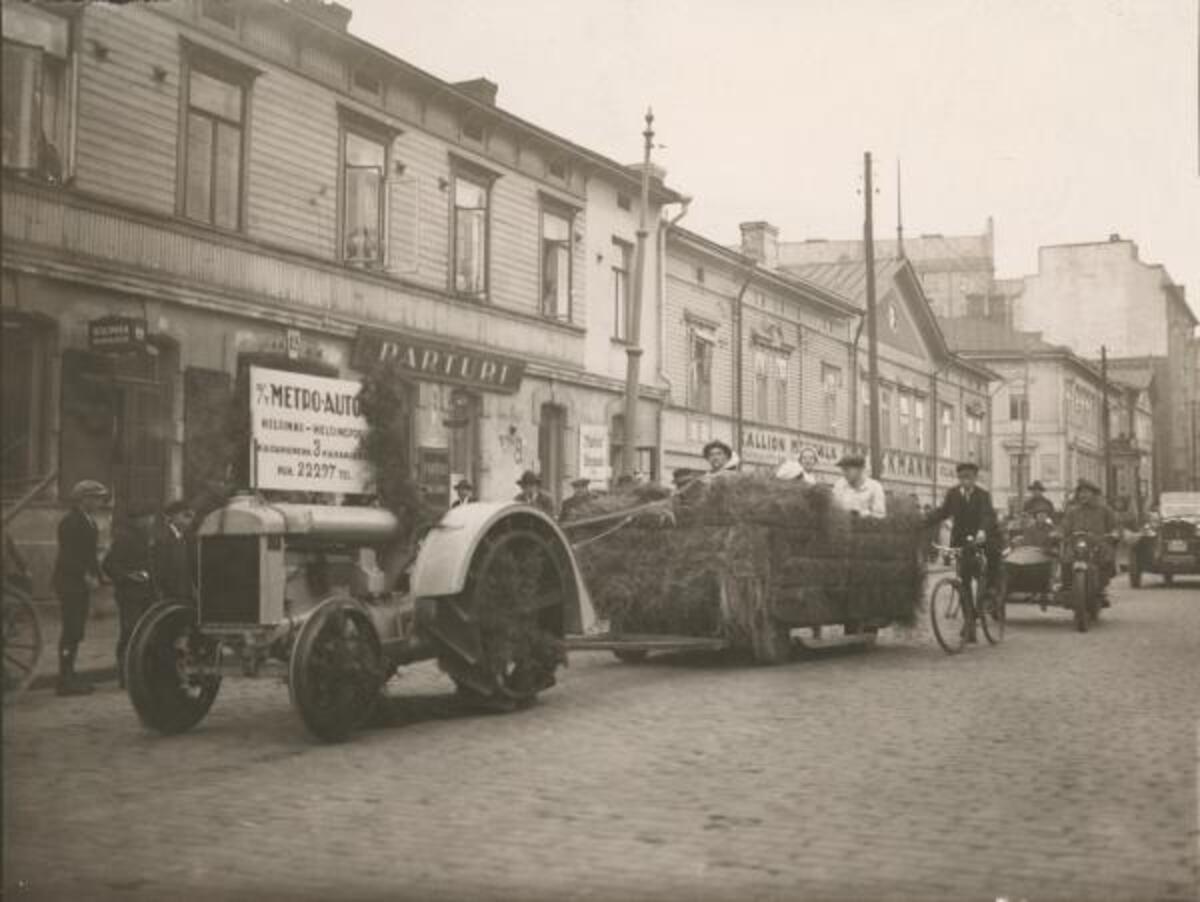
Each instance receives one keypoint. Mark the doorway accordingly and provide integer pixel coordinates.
(552, 431)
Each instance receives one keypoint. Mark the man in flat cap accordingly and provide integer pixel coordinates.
(1089, 514)
(721, 459)
(582, 495)
(970, 507)
(76, 571)
(1037, 502)
(464, 493)
(857, 492)
(531, 493)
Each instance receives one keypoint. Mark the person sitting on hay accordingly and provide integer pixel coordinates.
(857, 492)
(793, 471)
(721, 459)
(531, 493)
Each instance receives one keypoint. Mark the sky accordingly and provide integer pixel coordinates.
(1064, 120)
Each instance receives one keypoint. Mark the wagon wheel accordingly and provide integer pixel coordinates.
(501, 635)
(336, 670)
(163, 644)
(22, 643)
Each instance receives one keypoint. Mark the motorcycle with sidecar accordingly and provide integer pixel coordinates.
(1034, 573)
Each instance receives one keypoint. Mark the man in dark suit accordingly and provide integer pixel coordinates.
(582, 495)
(531, 493)
(174, 576)
(464, 493)
(974, 518)
(128, 566)
(76, 570)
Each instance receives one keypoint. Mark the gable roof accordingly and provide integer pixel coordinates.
(848, 278)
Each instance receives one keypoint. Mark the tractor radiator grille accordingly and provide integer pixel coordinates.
(229, 584)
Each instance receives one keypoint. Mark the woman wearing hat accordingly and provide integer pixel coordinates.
(531, 493)
(76, 569)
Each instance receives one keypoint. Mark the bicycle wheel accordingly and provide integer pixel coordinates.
(994, 611)
(946, 615)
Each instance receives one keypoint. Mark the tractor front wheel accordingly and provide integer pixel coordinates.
(164, 643)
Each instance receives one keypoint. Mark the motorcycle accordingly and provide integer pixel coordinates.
(1085, 590)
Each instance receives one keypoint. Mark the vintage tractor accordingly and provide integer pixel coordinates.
(489, 594)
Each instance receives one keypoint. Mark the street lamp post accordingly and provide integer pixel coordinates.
(633, 350)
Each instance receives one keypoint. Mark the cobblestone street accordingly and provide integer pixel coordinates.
(1056, 766)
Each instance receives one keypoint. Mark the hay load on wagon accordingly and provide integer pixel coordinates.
(746, 558)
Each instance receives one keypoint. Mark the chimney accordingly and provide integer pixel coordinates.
(482, 89)
(760, 240)
(1114, 236)
(332, 14)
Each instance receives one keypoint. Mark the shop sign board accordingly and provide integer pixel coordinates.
(593, 452)
(306, 433)
(116, 334)
(436, 361)
(770, 447)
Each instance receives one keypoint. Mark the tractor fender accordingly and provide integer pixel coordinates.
(445, 555)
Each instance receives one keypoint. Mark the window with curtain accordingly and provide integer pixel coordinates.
(975, 438)
(831, 386)
(781, 388)
(761, 386)
(363, 180)
(36, 91)
(919, 424)
(621, 268)
(556, 265)
(470, 236)
(946, 432)
(213, 148)
(904, 404)
(700, 366)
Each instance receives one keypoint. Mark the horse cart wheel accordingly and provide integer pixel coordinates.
(336, 670)
(22, 642)
(501, 636)
(166, 697)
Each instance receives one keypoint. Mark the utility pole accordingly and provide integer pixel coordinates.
(633, 350)
(1024, 459)
(872, 331)
(1104, 423)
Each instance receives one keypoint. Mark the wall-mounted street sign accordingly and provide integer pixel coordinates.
(116, 334)
(436, 361)
(306, 433)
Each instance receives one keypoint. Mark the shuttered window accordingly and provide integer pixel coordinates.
(214, 148)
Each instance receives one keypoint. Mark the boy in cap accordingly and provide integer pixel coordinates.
(857, 492)
(531, 493)
(970, 507)
(465, 493)
(76, 570)
(582, 495)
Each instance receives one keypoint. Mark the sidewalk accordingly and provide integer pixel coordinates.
(97, 660)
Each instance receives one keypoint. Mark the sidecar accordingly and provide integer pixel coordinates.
(1030, 575)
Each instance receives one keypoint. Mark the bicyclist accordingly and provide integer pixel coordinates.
(974, 522)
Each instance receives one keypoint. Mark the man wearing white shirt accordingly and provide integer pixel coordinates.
(856, 492)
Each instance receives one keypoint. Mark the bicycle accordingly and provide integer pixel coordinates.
(950, 596)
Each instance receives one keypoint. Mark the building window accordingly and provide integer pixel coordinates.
(781, 392)
(1018, 405)
(975, 438)
(919, 424)
(364, 168)
(462, 424)
(864, 403)
(556, 264)
(885, 417)
(946, 432)
(470, 236)
(37, 91)
(621, 268)
(831, 387)
(214, 146)
(761, 383)
(25, 401)
(646, 465)
(701, 341)
(1018, 470)
(904, 403)
(1049, 466)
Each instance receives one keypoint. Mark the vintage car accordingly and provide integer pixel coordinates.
(1170, 543)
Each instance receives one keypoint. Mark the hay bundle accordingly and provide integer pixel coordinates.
(743, 533)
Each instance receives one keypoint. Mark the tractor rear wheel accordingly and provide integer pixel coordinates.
(336, 669)
(501, 637)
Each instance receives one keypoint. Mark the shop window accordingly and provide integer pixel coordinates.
(364, 171)
(557, 226)
(701, 342)
(117, 422)
(470, 235)
(37, 91)
(646, 460)
(24, 401)
(621, 268)
(213, 149)
(552, 432)
(463, 427)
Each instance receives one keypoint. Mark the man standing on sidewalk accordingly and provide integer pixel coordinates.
(76, 571)
(128, 566)
(174, 576)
